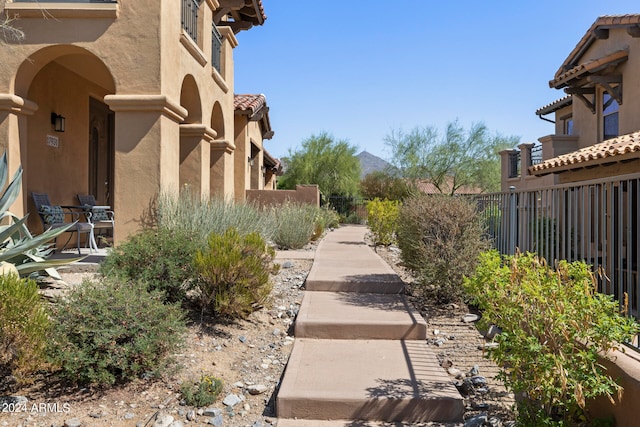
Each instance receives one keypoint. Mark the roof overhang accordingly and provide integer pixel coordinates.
(556, 105)
(256, 109)
(239, 14)
(621, 149)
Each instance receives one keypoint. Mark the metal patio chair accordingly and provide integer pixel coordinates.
(53, 216)
(102, 217)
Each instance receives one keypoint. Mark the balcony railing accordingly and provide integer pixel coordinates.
(536, 155)
(514, 164)
(190, 18)
(216, 48)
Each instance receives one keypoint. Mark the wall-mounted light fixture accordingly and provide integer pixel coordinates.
(58, 122)
(250, 160)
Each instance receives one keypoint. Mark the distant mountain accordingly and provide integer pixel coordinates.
(370, 163)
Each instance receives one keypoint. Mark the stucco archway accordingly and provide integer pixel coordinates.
(68, 81)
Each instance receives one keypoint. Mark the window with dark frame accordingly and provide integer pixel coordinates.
(610, 108)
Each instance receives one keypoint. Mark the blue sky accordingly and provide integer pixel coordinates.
(357, 70)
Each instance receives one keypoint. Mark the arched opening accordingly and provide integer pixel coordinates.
(69, 82)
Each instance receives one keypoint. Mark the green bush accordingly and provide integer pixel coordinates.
(234, 273)
(203, 392)
(295, 225)
(24, 326)
(162, 258)
(554, 324)
(383, 185)
(114, 331)
(440, 238)
(382, 217)
(201, 217)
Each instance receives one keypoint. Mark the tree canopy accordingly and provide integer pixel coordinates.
(322, 160)
(456, 159)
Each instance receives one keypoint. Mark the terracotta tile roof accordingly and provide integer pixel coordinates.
(609, 149)
(603, 22)
(249, 104)
(555, 105)
(589, 66)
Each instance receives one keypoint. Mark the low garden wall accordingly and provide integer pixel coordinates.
(304, 194)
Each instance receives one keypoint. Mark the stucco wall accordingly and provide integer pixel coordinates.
(305, 194)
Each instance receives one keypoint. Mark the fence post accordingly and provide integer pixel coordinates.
(512, 220)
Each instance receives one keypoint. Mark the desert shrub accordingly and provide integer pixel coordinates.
(329, 217)
(203, 392)
(554, 325)
(383, 185)
(234, 273)
(24, 326)
(382, 217)
(295, 225)
(114, 331)
(161, 258)
(200, 217)
(440, 238)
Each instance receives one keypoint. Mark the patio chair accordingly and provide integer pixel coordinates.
(102, 217)
(53, 216)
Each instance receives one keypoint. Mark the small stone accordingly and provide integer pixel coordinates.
(493, 422)
(476, 421)
(446, 363)
(469, 318)
(492, 332)
(257, 389)
(439, 342)
(478, 381)
(176, 423)
(191, 415)
(480, 406)
(238, 384)
(216, 421)
(129, 416)
(457, 373)
(242, 339)
(436, 331)
(474, 371)
(488, 346)
(210, 412)
(72, 422)
(231, 400)
(163, 420)
(288, 264)
(276, 332)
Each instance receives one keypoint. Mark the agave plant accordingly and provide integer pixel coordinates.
(18, 247)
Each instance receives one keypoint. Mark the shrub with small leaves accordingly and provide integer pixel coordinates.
(383, 220)
(114, 331)
(295, 225)
(234, 273)
(24, 327)
(554, 327)
(162, 258)
(203, 392)
(440, 238)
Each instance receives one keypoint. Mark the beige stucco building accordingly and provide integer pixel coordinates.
(145, 91)
(597, 122)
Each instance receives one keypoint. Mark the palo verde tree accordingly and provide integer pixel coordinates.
(325, 161)
(453, 160)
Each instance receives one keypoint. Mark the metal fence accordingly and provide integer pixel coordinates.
(190, 18)
(596, 222)
(216, 47)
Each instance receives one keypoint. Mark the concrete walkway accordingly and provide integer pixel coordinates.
(360, 352)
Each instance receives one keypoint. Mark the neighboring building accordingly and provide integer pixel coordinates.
(126, 99)
(255, 168)
(597, 125)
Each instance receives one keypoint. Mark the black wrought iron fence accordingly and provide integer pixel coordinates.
(189, 15)
(596, 222)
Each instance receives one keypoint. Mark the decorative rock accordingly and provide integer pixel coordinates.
(276, 332)
(488, 346)
(492, 332)
(446, 363)
(191, 415)
(469, 318)
(474, 371)
(238, 384)
(457, 373)
(478, 381)
(211, 412)
(176, 423)
(72, 422)
(288, 264)
(129, 416)
(216, 421)
(258, 424)
(163, 420)
(477, 421)
(494, 422)
(231, 400)
(480, 406)
(257, 389)
(242, 338)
